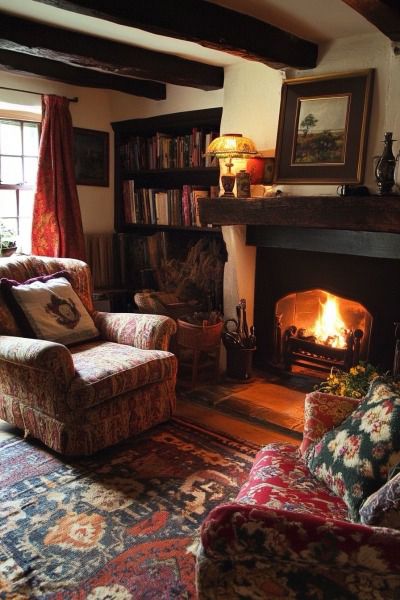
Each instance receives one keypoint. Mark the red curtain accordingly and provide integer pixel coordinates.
(57, 224)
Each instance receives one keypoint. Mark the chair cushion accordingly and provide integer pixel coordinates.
(279, 479)
(49, 309)
(354, 459)
(106, 369)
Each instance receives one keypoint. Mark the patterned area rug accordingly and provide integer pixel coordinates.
(120, 525)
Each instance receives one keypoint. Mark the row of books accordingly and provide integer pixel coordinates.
(163, 151)
(173, 207)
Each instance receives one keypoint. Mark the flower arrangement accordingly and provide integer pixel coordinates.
(354, 383)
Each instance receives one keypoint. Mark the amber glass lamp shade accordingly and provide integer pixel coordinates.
(231, 145)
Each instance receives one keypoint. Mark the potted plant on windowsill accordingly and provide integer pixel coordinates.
(8, 240)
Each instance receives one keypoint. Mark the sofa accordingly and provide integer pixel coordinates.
(288, 535)
(85, 395)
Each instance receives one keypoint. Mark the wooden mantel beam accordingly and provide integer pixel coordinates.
(384, 14)
(205, 23)
(90, 52)
(50, 69)
(355, 213)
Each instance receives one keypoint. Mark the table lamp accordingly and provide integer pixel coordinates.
(231, 145)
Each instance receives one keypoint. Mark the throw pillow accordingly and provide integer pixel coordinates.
(51, 309)
(382, 508)
(354, 459)
(6, 286)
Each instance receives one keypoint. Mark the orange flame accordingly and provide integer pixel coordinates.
(329, 328)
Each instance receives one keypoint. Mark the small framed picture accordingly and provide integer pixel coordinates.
(91, 152)
(323, 126)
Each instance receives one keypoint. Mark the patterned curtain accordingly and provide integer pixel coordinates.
(57, 224)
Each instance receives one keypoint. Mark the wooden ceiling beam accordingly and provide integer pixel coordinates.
(205, 23)
(81, 50)
(384, 14)
(24, 64)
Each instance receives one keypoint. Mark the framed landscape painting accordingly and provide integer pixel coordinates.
(91, 150)
(323, 125)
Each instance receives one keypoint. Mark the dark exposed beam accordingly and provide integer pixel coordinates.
(205, 23)
(384, 14)
(77, 49)
(56, 71)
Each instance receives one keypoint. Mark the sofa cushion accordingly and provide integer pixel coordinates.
(49, 309)
(280, 480)
(382, 508)
(107, 369)
(354, 459)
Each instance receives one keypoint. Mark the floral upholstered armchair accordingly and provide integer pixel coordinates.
(77, 379)
(319, 521)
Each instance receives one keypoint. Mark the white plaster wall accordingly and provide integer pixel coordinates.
(351, 54)
(125, 106)
(251, 107)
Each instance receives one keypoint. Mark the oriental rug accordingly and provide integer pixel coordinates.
(120, 525)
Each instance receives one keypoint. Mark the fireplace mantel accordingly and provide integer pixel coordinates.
(355, 213)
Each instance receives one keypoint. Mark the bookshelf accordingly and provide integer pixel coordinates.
(161, 171)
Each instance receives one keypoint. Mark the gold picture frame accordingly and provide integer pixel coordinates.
(323, 127)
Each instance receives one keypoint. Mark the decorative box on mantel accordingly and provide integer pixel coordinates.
(355, 213)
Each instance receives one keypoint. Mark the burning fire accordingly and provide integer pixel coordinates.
(329, 328)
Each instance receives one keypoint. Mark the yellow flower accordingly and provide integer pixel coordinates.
(360, 369)
(353, 371)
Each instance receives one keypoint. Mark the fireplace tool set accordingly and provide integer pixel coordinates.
(240, 343)
(236, 332)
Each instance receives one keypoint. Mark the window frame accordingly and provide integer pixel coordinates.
(21, 119)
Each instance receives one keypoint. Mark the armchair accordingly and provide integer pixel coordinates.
(92, 394)
(286, 535)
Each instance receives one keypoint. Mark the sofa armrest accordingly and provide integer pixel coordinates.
(283, 546)
(148, 332)
(37, 357)
(323, 412)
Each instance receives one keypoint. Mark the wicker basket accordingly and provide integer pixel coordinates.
(199, 337)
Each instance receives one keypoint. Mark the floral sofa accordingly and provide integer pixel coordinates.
(82, 397)
(288, 535)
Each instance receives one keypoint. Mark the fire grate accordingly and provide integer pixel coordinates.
(294, 349)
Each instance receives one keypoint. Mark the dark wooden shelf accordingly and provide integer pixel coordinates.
(356, 213)
(148, 229)
(175, 171)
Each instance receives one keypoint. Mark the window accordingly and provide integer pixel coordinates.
(19, 146)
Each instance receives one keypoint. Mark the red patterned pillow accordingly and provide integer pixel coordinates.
(323, 412)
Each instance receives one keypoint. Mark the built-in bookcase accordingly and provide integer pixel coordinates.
(161, 170)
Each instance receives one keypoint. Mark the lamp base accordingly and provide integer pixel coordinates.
(228, 183)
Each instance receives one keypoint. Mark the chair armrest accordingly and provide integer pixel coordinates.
(148, 332)
(323, 412)
(282, 542)
(28, 359)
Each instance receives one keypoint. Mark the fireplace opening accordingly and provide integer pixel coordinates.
(290, 282)
(318, 330)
